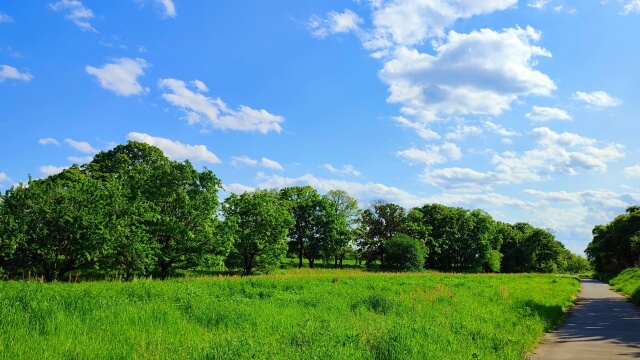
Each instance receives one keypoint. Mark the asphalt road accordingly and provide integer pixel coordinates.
(602, 325)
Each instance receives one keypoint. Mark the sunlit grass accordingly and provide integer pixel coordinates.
(309, 314)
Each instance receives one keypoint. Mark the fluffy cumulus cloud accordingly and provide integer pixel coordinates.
(460, 132)
(4, 18)
(432, 155)
(213, 112)
(121, 76)
(554, 154)
(632, 171)
(542, 113)
(335, 22)
(597, 98)
(410, 22)
(345, 170)
(10, 73)
(477, 73)
(176, 150)
(244, 160)
(81, 146)
(500, 130)
(76, 12)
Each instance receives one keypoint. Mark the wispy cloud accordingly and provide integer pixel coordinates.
(244, 160)
(81, 146)
(4, 177)
(632, 171)
(334, 23)
(9, 72)
(433, 154)
(121, 76)
(4, 18)
(541, 113)
(168, 7)
(597, 98)
(77, 13)
(49, 141)
(176, 150)
(48, 170)
(632, 6)
(345, 170)
(213, 112)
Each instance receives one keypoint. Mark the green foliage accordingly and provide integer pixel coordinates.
(616, 245)
(258, 223)
(405, 253)
(297, 315)
(380, 222)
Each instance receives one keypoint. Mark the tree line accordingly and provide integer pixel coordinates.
(616, 245)
(132, 211)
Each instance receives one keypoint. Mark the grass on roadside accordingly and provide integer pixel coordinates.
(317, 314)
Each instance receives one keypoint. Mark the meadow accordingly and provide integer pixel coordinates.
(628, 283)
(293, 314)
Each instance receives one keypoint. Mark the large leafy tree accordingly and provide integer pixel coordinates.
(380, 222)
(348, 213)
(53, 226)
(178, 203)
(258, 223)
(616, 246)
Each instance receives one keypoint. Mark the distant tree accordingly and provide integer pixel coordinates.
(404, 253)
(616, 246)
(259, 225)
(380, 222)
(347, 209)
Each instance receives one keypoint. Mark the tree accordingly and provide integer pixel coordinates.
(259, 224)
(405, 253)
(380, 222)
(180, 202)
(348, 211)
(616, 246)
(54, 225)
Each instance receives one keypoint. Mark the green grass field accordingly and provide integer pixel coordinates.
(296, 314)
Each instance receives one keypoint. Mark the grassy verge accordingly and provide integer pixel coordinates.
(628, 283)
(297, 314)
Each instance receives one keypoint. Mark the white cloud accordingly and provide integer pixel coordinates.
(410, 22)
(479, 73)
(538, 4)
(4, 18)
(462, 131)
(48, 170)
(244, 160)
(200, 85)
(81, 146)
(334, 23)
(420, 127)
(200, 109)
(541, 113)
(495, 128)
(631, 6)
(9, 72)
(632, 171)
(168, 6)
(271, 164)
(78, 13)
(346, 170)
(433, 155)
(121, 76)
(49, 141)
(237, 188)
(176, 150)
(4, 177)
(597, 98)
(80, 159)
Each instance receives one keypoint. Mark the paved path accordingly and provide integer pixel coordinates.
(602, 325)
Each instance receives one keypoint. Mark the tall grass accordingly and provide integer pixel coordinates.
(298, 314)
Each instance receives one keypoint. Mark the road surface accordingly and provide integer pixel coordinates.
(603, 325)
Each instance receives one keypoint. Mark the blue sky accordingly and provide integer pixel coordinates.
(526, 109)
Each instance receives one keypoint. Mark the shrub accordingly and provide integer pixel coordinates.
(404, 253)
